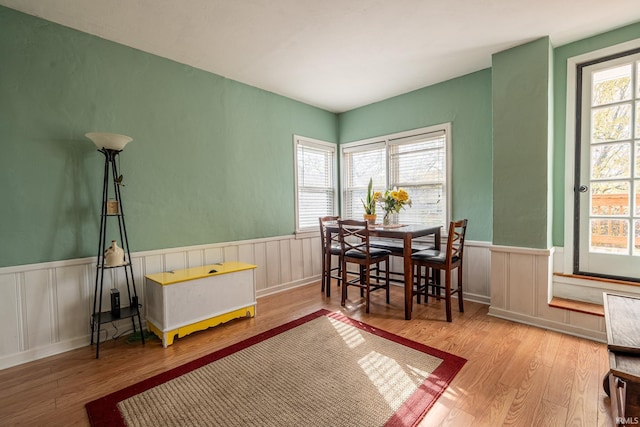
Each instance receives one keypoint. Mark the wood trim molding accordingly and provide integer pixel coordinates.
(578, 306)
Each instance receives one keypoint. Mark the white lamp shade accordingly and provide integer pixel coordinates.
(110, 141)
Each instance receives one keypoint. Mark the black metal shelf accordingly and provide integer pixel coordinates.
(133, 310)
(106, 267)
(107, 316)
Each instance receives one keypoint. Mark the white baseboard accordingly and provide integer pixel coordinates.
(548, 324)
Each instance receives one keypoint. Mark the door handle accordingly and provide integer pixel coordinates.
(583, 188)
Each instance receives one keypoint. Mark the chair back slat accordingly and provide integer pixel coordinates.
(354, 236)
(323, 230)
(455, 241)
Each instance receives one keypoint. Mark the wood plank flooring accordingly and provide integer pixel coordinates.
(516, 375)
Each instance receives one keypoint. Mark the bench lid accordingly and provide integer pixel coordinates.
(193, 273)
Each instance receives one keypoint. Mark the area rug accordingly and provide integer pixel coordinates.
(323, 369)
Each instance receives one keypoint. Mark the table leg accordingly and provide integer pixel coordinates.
(408, 277)
(437, 275)
(327, 264)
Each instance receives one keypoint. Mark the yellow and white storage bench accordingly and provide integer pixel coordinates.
(184, 301)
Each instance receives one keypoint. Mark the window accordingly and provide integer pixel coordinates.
(315, 181)
(417, 161)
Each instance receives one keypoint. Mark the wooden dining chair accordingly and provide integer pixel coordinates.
(435, 261)
(329, 272)
(356, 249)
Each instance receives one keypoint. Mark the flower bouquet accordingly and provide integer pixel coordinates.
(393, 201)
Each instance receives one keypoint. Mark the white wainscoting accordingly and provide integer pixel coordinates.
(45, 308)
(521, 288)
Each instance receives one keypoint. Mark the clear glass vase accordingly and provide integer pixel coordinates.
(387, 218)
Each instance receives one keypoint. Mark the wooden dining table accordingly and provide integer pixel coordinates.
(404, 232)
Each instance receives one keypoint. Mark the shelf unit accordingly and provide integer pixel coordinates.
(131, 311)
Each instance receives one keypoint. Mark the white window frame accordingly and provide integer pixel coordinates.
(387, 141)
(567, 286)
(322, 146)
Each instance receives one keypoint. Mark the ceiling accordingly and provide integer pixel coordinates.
(334, 54)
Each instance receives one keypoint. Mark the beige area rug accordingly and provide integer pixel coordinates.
(321, 370)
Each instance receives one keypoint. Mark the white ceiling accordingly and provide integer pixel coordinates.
(334, 54)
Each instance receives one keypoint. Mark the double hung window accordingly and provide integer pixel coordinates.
(316, 186)
(416, 160)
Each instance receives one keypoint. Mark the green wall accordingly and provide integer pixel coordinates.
(562, 54)
(211, 160)
(466, 103)
(521, 155)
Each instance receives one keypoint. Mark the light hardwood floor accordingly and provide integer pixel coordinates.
(516, 375)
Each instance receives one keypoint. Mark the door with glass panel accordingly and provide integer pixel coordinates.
(608, 169)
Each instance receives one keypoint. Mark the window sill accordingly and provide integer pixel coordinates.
(578, 306)
(589, 289)
(306, 234)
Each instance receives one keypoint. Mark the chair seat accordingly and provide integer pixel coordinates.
(335, 250)
(432, 255)
(373, 253)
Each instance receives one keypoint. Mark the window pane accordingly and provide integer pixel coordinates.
(611, 123)
(313, 166)
(638, 79)
(314, 205)
(636, 237)
(610, 198)
(636, 205)
(367, 165)
(610, 161)
(612, 85)
(421, 162)
(637, 167)
(609, 236)
(637, 135)
(427, 205)
(359, 167)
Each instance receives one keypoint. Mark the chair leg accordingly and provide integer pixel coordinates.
(367, 289)
(339, 271)
(324, 271)
(427, 278)
(388, 267)
(418, 279)
(460, 302)
(447, 294)
(362, 282)
(328, 276)
(343, 300)
(435, 280)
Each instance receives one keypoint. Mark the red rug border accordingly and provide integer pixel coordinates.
(104, 411)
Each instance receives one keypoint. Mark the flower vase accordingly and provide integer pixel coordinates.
(387, 218)
(370, 218)
(113, 255)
